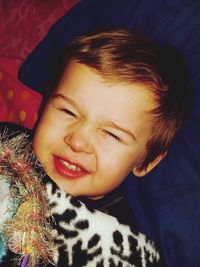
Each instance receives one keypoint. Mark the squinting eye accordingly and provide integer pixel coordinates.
(67, 111)
(113, 136)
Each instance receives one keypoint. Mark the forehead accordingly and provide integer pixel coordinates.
(99, 97)
(80, 76)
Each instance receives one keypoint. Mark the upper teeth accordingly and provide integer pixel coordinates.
(71, 166)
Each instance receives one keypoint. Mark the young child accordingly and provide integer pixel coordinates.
(114, 106)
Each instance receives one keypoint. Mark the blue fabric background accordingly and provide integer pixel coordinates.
(166, 202)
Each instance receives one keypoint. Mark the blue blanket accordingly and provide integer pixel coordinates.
(166, 202)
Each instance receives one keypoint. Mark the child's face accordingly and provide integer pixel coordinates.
(92, 133)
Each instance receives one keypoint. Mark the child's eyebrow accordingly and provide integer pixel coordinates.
(66, 98)
(114, 125)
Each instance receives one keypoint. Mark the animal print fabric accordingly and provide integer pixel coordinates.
(91, 238)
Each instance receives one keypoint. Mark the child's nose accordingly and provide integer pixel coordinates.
(79, 140)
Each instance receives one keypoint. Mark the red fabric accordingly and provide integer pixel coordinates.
(25, 22)
(23, 25)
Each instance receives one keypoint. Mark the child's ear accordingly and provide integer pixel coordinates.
(150, 167)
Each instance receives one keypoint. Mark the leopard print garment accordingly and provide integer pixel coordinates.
(91, 238)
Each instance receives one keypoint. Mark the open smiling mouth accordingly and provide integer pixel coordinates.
(68, 169)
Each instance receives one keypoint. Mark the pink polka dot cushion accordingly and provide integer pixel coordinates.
(18, 103)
